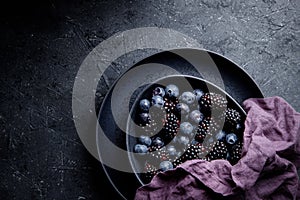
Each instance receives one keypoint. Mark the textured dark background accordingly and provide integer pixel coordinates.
(43, 43)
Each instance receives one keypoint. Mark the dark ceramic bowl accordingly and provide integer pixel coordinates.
(195, 62)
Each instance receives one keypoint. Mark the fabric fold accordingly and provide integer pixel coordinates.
(267, 169)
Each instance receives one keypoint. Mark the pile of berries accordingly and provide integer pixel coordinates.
(177, 127)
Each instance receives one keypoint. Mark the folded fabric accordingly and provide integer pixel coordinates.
(267, 169)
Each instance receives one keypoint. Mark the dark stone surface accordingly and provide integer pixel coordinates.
(43, 44)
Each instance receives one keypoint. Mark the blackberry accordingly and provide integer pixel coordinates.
(204, 151)
(192, 152)
(170, 105)
(157, 113)
(200, 136)
(232, 118)
(212, 100)
(206, 158)
(171, 126)
(219, 151)
(150, 171)
(207, 127)
(160, 154)
(236, 152)
(151, 128)
(178, 161)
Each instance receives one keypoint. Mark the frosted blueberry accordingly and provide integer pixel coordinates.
(220, 135)
(172, 90)
(238, 126)
(165, 165)
(140, 149)
(198, 93)
(145, 118)
(196, 116)
(145, 105)
(157, 101)
(171, 150)
(159, 91)
(186, 128)
(146, 140)
(231, 138)
(228, 157)
(194, 142)
(183, 140)
(174, 140)
(158, 142)
(179, 153)
(183, 108)
(188, 97)
(210, 140)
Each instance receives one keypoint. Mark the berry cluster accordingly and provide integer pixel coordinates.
(177, 127)
(212, 101)
(207, 128)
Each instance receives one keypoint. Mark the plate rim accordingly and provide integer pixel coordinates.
(212, 52)
(134, 65)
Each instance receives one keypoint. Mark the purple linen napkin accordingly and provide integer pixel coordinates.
(267, 169)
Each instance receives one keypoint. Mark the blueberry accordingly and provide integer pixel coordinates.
(194, 142)
(228, 157)
(196, 116)
(188, 97)
(210, 140)
(179, 153)
(158, 142)
(145, 118)
(186, 128)
(231, 138)
(220, 135)
(140, 149)
(238, 126)
(159, 91)
(171, 150)
(165, 165)
(146, 140)
(157, 101)
(145, 105)
(198, 93)
(183, 140)
(183, 108)
(174, 140)
(172, 90)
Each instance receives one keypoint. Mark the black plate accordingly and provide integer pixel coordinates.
(184, 83)
(195, 62)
